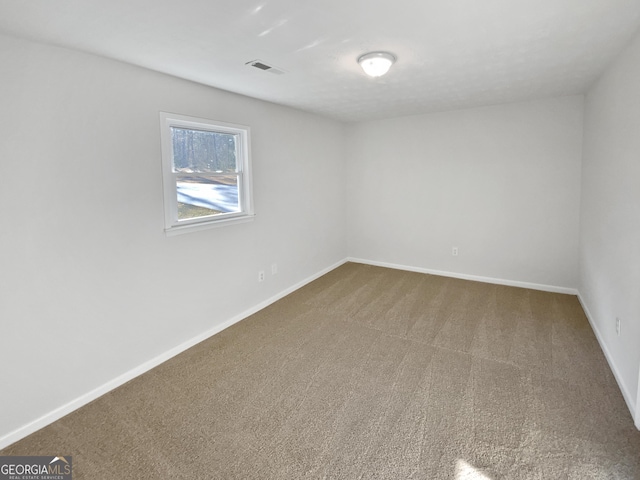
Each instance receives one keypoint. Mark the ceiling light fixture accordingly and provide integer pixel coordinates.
(376, 64)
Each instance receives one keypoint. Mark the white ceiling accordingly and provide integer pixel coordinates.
(451, 53)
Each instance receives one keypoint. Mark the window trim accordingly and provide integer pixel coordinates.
(173, 226)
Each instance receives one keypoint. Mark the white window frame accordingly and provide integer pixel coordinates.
(173, 226)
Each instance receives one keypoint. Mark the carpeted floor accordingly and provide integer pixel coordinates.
(369, 373)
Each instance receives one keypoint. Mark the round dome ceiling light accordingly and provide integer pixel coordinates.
(376, 64)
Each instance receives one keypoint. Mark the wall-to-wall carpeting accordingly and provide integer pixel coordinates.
(369, 373)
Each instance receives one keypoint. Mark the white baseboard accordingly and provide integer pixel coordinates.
(88, 397)
(464, 276)
(60, 412)
(638, 403)
(635, 414)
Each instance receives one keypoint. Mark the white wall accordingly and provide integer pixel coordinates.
(91, 287)
(501, 183)
(610, 216)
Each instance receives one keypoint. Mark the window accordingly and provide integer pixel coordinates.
(206, 173)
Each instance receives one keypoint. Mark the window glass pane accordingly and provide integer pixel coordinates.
(200, 196)
(198, 151)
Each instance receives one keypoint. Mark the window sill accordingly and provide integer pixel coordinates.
(194, 227)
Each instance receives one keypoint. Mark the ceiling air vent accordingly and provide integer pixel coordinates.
(259, 64)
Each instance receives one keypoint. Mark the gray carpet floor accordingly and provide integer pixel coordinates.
(369, 373)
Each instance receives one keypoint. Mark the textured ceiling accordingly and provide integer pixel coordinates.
(451, 53)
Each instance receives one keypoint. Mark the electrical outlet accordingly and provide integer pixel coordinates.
(261, 276)
(618, 326)
(274, 268)
(454, 251)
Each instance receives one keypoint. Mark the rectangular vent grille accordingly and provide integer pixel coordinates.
(259, 64)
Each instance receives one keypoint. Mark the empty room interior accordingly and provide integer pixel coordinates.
(230, 250)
